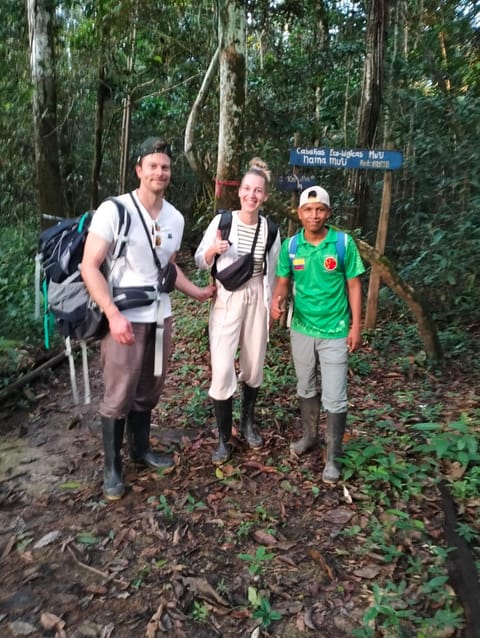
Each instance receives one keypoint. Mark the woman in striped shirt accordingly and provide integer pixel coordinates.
(239, 318)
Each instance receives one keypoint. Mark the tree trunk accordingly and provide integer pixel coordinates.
(102, 92)
(232, 42)
(127, 107)
(369, 111)
(190, 153)
(426, 327)
(51, 199)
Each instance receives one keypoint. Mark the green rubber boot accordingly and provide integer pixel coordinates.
(335, 430)
(248, 428)
(223, 415)
(112, 434)
(138, 436)
(310, 412)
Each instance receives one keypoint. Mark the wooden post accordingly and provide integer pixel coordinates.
(374, 282)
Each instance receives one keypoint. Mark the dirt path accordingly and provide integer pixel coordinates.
(166, 560)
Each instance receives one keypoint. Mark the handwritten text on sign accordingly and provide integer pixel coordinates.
(346, 158)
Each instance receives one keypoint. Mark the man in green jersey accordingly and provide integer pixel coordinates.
(326, 322)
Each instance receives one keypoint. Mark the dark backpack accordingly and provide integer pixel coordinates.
(225, 225)
(66, 298)
(65, 295)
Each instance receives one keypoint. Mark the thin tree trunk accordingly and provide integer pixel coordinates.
(232, 42)
(102, 92)
(369, 111)
(127, 109)
(50, 195)
(190, 153)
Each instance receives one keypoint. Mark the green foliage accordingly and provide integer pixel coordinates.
(200, 611)
(262, 608)
(256, 562)
(160, 503)
(456, 442)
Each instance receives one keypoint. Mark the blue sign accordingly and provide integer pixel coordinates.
(346, 158)
(294, 183)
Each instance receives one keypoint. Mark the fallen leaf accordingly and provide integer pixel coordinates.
(50, 621)
(70, 485)
(264, 538)
(368, 572)
(48, 539)
(20, 628)
(259, 466)
(288, 560)
(338, 516)
(316, 556)
(455, 471)
(202, 588)
(10, 544)
(100, 590)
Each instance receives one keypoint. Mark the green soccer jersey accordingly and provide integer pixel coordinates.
(320, 297)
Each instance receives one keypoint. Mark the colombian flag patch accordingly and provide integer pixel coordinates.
(299, 263)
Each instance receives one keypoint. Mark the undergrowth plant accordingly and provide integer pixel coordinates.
(257, 562)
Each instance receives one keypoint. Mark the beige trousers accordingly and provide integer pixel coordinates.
(238, 321)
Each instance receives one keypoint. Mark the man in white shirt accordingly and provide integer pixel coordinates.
(136, 349)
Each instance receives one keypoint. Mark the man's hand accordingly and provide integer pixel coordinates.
(354, 338)
(278, 307)
(121, 329)
(205, 293)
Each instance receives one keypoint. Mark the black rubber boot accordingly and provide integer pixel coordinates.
(223, 415)
(138, 435)
(335, 431)
(112, 432)
(247, 424)
(310, 412)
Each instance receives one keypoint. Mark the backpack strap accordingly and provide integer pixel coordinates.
(340, 247)
(292, 248)
(225, 223)
(272, 230)
(224, 226)
(122, 228)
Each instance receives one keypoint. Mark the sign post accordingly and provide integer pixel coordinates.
(369, 159)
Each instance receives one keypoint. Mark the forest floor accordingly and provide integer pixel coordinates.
(201, 551)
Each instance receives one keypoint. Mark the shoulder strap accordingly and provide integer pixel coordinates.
(292, 248)
(272, 233)
(224, 226)
(272, 230)
(154, 252)
(122, 228)
(341, 246)
(225, 223)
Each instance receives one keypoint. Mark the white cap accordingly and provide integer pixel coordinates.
(314, 195)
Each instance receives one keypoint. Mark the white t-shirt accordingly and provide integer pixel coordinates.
(137, 267)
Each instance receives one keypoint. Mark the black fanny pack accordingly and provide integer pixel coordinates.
(133, 297)
(234, 276)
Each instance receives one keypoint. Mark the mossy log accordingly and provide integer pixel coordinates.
(425, 325)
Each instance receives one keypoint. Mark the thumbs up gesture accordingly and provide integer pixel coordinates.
(221, 245)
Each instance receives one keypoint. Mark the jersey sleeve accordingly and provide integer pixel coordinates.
(283, 263)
